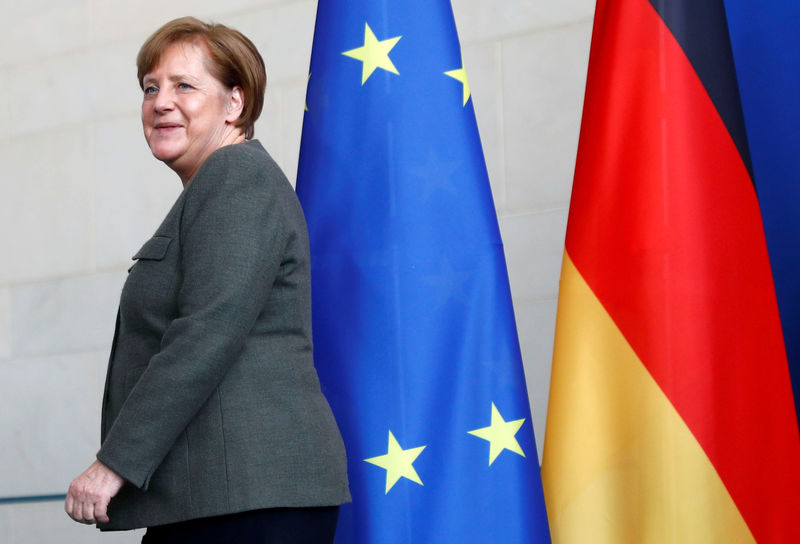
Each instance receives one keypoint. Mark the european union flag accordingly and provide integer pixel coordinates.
(414, 331)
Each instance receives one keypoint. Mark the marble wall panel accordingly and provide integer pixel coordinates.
(479, 20)
(544, 76)
(73, 88)
(536, 327)
(5, 102)
(5, 324)
(8, 520)
(50, 430)
(46, 29)
(534, 246)
(46, 213)
(115, 19)
(66, 315)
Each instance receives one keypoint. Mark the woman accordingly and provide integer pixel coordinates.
(214, 426)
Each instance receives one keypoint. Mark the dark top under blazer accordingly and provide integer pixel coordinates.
(212, 404)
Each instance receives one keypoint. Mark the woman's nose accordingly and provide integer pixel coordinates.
(164, 102)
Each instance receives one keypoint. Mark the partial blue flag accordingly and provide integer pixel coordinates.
(766, 50)
(415, 340)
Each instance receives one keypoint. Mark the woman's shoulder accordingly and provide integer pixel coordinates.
(245, 166)
(241, 177)
(247, 160)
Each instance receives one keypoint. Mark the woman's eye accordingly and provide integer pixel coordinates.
(184, 86)
(150, 90)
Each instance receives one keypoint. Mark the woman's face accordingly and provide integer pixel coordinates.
(186, 112)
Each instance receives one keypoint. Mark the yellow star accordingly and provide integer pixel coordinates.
(398, 463)
(461, 75)
(374, 54)
(500, 435)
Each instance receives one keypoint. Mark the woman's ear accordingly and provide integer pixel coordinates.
(235, 104)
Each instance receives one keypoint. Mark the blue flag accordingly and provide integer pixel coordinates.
(415, 340)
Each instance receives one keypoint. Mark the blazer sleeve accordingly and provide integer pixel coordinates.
(232, 237)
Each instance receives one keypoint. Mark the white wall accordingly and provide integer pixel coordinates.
(80, 192)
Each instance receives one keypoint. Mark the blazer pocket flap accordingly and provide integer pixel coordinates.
(154, 249)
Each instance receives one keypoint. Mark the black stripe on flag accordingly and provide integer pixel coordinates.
(701, 29)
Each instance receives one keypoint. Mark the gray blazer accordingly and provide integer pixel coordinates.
(212, 404)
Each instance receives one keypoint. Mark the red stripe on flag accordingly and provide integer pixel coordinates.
(665, 228)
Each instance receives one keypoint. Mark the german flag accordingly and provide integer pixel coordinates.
(671, 415)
